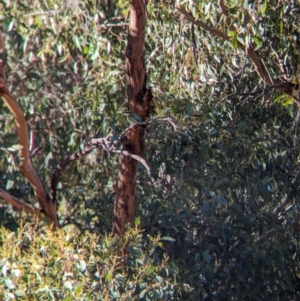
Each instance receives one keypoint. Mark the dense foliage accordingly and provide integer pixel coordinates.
(63, 266)
(223, 148)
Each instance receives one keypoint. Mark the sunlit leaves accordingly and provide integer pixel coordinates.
(74, 266)
(222, 146)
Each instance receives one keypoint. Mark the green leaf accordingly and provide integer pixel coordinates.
(81, 266)
(234, 43)
(159, 279)
(108, 276)
(19, 293)
(150, 271)
(168, 238)
(9, 184)
(9, 283)
(76, 41)
(68, 285)
(137, 221)
(263, 8)
(206, 257)
(160, 244)
(15, 147)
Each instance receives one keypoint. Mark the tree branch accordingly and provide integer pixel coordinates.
(26, 167)
(105, 142)
(107, 145)
(18, 203)
(285, 87)
(203, 25)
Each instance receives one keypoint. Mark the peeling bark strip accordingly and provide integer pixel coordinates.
(26, 167)
(140, 103)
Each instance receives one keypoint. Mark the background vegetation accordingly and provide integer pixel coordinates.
(222, 220)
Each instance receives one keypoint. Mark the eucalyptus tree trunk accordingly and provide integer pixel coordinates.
(140, 104)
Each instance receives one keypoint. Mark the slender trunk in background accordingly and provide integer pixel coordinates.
(140, 103)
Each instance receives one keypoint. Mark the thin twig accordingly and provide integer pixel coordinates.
(138, 158)
(225, 13)
(258, 64)
(194, 44)
(281, 204)
(113, 25)
(251, 93)
(265, 236)
(167, 120)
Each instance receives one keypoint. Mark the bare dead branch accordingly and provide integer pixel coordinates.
(26, 167)
(18, 203)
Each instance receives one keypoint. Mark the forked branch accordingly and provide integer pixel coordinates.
(108, 145)
(26, 167)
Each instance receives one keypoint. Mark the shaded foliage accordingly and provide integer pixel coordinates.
(223, 148)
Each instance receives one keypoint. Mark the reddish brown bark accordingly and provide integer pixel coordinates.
(26, 166)
(140, 103)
